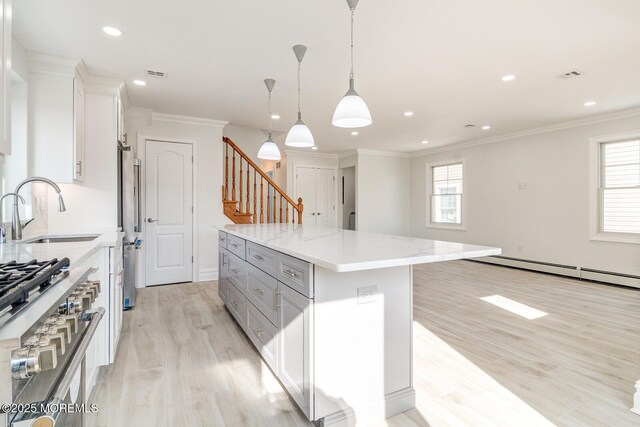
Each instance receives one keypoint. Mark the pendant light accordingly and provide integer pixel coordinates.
(351, 112)
(269, 149)
(299, 135)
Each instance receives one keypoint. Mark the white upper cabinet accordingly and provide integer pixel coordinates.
(5, 77)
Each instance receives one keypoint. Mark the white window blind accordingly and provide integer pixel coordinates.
(620, 186)
(446, 194)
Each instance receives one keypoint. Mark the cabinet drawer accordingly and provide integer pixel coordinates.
(263, 335)
(261, 291)
(264, 258)
(237, 271)
(236, 245)
(237, 304)
(296, 274)
(222, 239)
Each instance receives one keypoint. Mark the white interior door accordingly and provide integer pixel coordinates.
(325, 197)
(306, 188)
(169, 213)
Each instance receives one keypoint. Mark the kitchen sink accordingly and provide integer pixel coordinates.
(63, 239)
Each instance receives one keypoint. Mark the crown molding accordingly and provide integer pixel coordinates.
(347, 154)
(535, 131)
(382, 153)
(52, 64)
(311, 153)
(173, 118)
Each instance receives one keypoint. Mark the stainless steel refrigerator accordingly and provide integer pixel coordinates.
(129, 217)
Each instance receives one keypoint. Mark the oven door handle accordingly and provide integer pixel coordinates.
(60, 389)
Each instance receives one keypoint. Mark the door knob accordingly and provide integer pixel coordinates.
(152, 219)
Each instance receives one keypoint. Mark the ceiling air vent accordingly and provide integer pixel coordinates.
(570, 74)
(157, 74)
(469, 125)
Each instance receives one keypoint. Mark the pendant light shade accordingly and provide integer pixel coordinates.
(352, 111)
(269, 150)
(299, 135)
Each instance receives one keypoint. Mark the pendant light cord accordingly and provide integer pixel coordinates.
(270, 118)
(299, 66)
(352, 14)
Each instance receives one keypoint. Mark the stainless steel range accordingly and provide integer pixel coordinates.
(45, 329)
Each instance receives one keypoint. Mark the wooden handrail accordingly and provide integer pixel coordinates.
(271, 204)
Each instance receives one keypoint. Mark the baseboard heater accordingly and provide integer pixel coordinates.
(564, 270)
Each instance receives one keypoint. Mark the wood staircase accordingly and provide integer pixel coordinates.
(246, 204)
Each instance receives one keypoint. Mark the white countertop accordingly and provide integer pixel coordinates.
(77, 252)
(344, 250)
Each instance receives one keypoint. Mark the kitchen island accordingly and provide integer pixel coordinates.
(330, 311)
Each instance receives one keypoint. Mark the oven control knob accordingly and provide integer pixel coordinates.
(57, 324)
(94, 285)
(48, 334)
(80, 301)
(48, 346)
(25, 362)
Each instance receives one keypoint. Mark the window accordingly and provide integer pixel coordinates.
(446, 186)
(620, 186)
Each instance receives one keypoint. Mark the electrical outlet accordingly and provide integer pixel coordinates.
(368, 294)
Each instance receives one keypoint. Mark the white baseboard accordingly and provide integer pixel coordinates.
(564, 270)
(206, 274)
(392, 404)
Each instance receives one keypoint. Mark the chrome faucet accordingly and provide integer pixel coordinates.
(3, 229)
(16, 225)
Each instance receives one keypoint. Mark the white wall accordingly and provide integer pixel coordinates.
(382, 186)
(547, 222)
(208, 153)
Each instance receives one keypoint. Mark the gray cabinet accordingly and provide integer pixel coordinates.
(269, 296)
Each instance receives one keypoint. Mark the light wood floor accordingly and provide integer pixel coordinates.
(183, 361)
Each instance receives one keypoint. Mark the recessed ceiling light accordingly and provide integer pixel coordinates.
(408, 113)
(590, 103)
(275, 116)
(314, 148)
(355, 133)
(425, 142)
(486, 127)
(140, 82)
(508, 78)
(112, 31)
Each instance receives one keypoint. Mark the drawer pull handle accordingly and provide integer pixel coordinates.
(258, 290)
(278, 293)
(289, 273)
(235, 271)
(235, 303)
(234, 245)
(259, 332)
(258, 257)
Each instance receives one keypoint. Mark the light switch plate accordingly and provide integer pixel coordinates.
(368, 294)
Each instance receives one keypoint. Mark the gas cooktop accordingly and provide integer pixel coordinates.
(21, 283)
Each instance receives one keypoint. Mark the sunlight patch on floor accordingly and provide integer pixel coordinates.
(514, 307)
(452, 390)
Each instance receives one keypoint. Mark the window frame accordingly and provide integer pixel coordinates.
(596, 189)
(429, 193)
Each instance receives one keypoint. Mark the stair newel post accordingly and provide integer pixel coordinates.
(261, 200)
(286, 213)
(255, 198)
(233, 176)
(268, 204)
(240, 207)
(300, 208)
(226, 172)
(281, 208)
(248, 209)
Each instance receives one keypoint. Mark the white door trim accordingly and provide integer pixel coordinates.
(335, 185)
(141, 148)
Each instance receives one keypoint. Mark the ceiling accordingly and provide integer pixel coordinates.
(443, 60)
